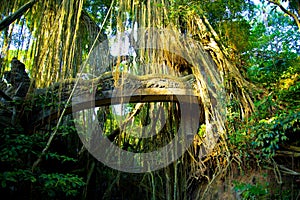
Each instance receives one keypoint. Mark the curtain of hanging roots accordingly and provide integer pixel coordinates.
(210, 68)
(55, 40)
(6, 9)
(55, 51)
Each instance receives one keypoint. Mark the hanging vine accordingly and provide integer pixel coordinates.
(58, 30)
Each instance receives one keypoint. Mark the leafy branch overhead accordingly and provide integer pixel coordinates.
(293, 9)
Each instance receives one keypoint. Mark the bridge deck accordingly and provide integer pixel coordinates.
(102, 91)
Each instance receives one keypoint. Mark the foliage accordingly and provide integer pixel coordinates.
(251, 191)
(9, 178)
(16, 147)
(259, 190)
(57, 184)
(97, 9)
(273, 65)
(290, 8)
(18, 151)
(228, 18)
(276, 118)
(269, 134)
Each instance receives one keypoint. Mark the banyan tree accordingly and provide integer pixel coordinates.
(60, 43)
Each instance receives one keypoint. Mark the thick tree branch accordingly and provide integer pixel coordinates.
(294, 16)
(10, 19)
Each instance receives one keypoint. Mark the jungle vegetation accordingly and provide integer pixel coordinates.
(250, 55)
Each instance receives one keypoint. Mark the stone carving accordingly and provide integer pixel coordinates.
(18, 85)
(18, 79)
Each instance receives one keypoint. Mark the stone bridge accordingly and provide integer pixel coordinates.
(110, 89)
